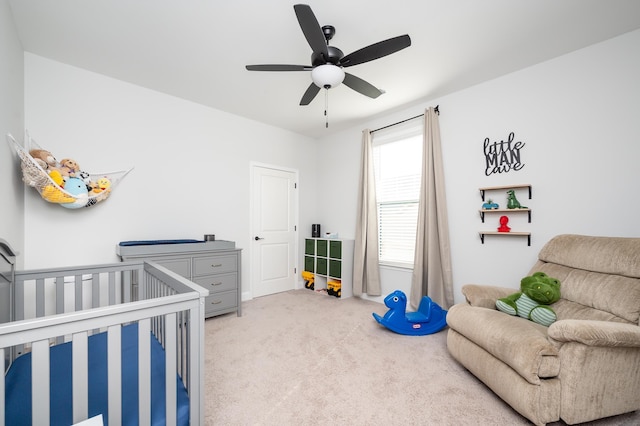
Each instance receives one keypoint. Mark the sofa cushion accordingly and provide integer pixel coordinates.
(608, 255)
(485, 296)
(613, 294)
(595, 333)
(519, 343)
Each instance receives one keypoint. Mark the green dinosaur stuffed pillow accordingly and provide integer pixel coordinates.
(531, 302)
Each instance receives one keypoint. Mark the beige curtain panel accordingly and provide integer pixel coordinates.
(432, 273)
(366, 272)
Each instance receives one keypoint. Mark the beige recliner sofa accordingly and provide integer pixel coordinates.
(586, 365)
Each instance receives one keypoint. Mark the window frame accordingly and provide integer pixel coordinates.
(403, 131)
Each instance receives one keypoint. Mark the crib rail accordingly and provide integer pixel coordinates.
(70, 304)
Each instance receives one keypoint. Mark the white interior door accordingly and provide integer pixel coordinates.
(274, 207)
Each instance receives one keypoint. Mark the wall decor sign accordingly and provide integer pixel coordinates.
(503, 156)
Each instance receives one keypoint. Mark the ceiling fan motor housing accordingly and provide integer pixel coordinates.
(335, 54)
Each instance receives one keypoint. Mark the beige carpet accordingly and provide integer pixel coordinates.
(303, 358)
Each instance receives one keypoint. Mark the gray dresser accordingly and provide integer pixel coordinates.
(215, 265)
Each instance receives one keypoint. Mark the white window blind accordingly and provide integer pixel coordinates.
(397, 157)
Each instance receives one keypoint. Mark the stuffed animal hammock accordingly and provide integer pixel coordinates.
(63, 182)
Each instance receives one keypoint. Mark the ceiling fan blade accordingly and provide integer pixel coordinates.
(375, 51)
(311, 29)
(279, 67)
(361, 86)
(311, 93)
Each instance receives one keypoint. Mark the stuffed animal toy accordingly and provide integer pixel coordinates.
(537, 292)
(104, 183)
(44, 158)
(56, 176)
(69, 167)
(512, 201)
(77, 188)
(86, 178)
(53, 194)
(102, 189)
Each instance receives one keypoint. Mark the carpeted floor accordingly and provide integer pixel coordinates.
(304, 358)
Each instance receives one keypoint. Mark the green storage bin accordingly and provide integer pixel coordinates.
(322, 248)
(335, 249)
(310, 247)
(335, 268)
(322, 266)
(308, 264)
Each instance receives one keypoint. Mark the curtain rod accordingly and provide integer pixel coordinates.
(436, 109)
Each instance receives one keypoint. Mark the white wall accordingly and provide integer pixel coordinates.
(578, 116)
(192, 166)
(11, 121)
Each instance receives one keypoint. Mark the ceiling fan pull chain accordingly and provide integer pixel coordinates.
(326, 108)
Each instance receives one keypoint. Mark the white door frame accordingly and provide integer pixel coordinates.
(296, 202)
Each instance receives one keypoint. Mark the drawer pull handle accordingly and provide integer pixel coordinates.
(217, 265)
(218, 283)
(216, 302)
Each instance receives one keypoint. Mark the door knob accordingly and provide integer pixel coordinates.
(258, 238)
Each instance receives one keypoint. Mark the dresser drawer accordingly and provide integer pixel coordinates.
(179, 266)
(214, 265)
(220, 301)
(218, 283)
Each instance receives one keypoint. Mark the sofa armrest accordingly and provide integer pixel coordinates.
(485, 296)
(595, 333)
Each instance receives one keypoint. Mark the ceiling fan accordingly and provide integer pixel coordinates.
(327, 62)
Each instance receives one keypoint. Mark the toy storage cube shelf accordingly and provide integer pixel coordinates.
(330, 260)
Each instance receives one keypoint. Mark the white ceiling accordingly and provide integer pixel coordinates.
(197, 49)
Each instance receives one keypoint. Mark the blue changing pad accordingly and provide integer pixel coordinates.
(156, 242)
(18, 383)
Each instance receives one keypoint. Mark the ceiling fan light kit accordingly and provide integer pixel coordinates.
(327, 76)
(327, 62)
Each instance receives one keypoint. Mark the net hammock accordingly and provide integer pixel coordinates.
(63, 182)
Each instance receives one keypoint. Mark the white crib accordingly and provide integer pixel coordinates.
(97, 315)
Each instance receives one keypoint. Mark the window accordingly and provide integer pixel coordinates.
(397, 159)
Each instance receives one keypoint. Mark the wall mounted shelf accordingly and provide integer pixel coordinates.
(483, 211)
(506, 234)
(497, 188)
(504, 211)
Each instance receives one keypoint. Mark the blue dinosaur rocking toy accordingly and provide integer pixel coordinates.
(428, 319)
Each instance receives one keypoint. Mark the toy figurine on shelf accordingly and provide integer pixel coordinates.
(490, 205)
(503, 224)
(512, 201)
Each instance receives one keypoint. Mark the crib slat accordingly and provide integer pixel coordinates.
(59, 285)
(39, 298)
(195, 366)
(59, 295)
(19, 297)
(79, 297)
(170, 369)
(112, 288)
(144, 371)
(2, 398)
(114, 371)
(18, 312)
(40, 405)
(126, 286)
(95, 290)
(80, 377)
